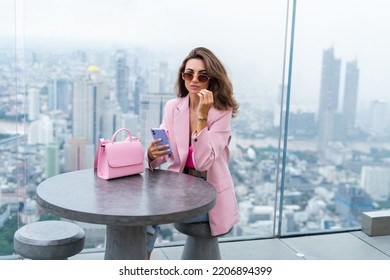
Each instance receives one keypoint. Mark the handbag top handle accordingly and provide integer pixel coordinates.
(120, 130)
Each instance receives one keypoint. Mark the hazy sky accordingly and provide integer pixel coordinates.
(248, 35)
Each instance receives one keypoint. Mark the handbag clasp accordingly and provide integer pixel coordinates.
(102, 142)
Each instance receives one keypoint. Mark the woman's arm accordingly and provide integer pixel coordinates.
(212, 141)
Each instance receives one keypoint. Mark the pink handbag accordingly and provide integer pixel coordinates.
(118, 159)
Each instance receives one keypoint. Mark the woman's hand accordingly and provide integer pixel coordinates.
(155, 151)
(206, 102)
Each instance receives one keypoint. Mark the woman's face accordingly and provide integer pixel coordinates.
(195, 67)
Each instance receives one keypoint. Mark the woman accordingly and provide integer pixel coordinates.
(198, 124)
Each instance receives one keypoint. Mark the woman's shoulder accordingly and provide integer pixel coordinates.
(173, 101)
(176, 102)
(220, 113)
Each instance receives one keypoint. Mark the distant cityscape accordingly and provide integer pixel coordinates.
(336, 166)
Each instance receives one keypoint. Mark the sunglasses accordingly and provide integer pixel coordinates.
(202, 78)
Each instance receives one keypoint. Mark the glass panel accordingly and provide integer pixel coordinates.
(90, 67)
(338, 150)
(12, 138)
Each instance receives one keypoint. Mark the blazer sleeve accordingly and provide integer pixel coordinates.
(212, 142)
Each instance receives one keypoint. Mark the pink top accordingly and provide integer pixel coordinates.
(189, 162)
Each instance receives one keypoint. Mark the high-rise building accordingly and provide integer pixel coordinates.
(122, 80)
(378, 124)
(79, 154)
(139, 89)
(52, 160)
(88, 97)
(151, 113)
(59, 94)
(154, 81)
(350, 96)
(166, 77)
(111, 118)
(130, 121)
(350, 202)
(33, 103)
(375, 180)
(40, 131)
(329, 95)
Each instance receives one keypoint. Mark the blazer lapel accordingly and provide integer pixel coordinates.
(182, 129)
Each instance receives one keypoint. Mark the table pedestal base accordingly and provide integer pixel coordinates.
(125, 243)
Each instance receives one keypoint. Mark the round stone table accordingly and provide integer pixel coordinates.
(126, 205)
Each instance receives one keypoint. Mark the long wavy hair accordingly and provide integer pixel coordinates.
(219, 82)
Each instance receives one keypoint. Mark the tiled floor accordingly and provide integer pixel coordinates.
(354, 245)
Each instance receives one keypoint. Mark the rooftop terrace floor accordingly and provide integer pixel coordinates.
(354, 245)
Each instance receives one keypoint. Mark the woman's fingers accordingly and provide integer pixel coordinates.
(206, 95)
(206, 102)
(155, 151)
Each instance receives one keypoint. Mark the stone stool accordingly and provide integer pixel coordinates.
(49, 240)
(200, 245)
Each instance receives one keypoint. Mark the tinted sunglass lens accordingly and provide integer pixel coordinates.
(188, 76)
(203, 78)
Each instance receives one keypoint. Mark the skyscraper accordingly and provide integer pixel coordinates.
(378, 118)
(33, 103)
(139, 89)
(111, 118)
(154, 81)
(122, 80)
(88, 97)
(79, 154)
(350, 202)
(329, 95)
(375, 180)
(41, 131)
(59, 93)
(52, 160)
(151, 113)
(350, 96)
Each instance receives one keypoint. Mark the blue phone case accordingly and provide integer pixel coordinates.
(161, 133)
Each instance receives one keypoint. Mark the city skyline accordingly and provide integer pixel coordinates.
(78, 61)
(312, 181)
(251, 37)
(375, 121)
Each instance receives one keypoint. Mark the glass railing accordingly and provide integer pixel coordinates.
(337, 163)
(309, 149)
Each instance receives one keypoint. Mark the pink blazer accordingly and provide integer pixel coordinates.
(210, 153)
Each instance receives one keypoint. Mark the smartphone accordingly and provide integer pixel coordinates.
(161, 134)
